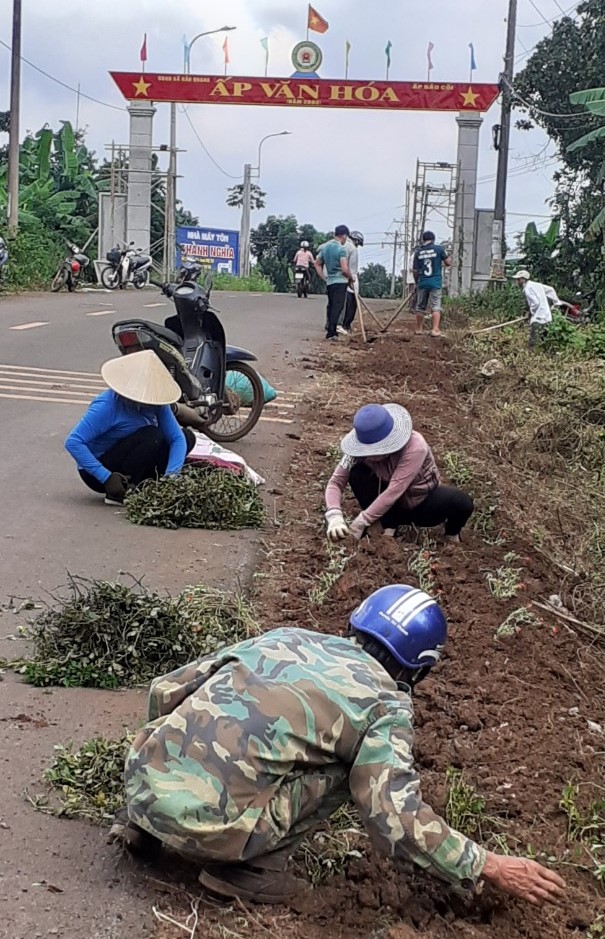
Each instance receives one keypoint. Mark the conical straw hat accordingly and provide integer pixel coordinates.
(141, 377)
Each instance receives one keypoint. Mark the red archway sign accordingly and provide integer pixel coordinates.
(307, 92)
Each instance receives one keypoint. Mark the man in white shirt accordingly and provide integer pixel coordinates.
(537, 296)
(352, 245)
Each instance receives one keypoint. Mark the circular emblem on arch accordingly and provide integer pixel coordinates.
(306, 56)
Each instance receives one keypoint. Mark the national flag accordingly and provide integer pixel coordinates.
(144, 49)
(473, 61)
(226, 50)
(316, 21)
(429, 57)
(388, 53)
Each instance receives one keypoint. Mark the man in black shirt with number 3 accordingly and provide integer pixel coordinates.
(429, 260)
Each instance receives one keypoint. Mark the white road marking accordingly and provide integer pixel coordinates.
(28, 325)
(48, 371)
(100, 313)
(277, 420)
(84, 388)
(47, 391)
(149, 306)
(45, 400)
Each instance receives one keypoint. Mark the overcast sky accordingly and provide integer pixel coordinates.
(337, 166)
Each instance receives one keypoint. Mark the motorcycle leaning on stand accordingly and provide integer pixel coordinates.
(190, 269)
(128, 265)
(222, 394)
(69, 273)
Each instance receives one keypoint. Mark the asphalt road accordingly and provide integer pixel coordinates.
(51, 349)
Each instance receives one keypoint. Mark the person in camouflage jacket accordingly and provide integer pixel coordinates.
(247, 750)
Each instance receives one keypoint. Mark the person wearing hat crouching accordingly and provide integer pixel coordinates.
(538, 297)
(129, 433)
(392, 472)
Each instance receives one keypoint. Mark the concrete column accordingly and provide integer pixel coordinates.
(469, 126)
(138, 216)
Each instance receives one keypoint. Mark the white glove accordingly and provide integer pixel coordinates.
(358, 527)
(337, 527)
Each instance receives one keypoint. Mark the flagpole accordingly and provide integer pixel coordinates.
(346, 60)
(308, 18)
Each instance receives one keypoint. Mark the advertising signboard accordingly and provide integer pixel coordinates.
(216, 248)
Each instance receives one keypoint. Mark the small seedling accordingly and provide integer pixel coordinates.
(421, 565)
(457, 469)
(483, 522)
(505, 582)
(465, 808)
(337, 561)
(515, 621)
(597, 929)
(326, 854)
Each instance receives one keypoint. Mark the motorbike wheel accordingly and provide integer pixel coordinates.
(300, 292)
(242, 418)
(110, 278)
(141, 282)
(59, 280)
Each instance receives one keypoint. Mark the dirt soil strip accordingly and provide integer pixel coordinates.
(511, 712)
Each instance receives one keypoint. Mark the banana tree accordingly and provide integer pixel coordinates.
(593, 100)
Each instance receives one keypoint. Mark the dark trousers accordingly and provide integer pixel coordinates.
(537, 333)
(142, 455)
(337, 295)
(350, 310)
(443, 504)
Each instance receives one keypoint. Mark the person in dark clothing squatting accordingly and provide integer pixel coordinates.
(332, 266)
(394, 477)
(129, 433)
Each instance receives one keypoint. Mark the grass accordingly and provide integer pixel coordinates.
(254, 283)
(484, 523)
(338, 558)
(110, 635)
(421, 565)
(515, 621)
(586, 824)
(87, 782)
(465, 808)
(505, 582)
(457, 469)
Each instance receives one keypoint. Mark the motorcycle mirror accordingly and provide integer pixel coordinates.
(208, 282)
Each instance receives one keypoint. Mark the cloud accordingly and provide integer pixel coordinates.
(336, 164)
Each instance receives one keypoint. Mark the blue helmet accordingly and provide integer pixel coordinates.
(408, 622)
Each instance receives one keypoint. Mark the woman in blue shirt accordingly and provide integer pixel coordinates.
(129, 433)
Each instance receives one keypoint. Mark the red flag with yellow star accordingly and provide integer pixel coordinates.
(316, 22)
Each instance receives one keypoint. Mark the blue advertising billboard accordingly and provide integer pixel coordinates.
(218, 248)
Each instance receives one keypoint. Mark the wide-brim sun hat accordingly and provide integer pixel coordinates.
(378, 429)
(141, 377)
(521, 275)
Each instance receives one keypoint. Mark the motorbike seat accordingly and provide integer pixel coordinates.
(173, 338)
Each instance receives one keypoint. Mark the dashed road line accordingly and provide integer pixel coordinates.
(100, 313)
(28, 325)
(150, 306)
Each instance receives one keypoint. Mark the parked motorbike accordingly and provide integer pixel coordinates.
(3, 258)
(220, 389)
(126, 266)
(582, 310)
(191, 268)
(70, 271)
(301, 282)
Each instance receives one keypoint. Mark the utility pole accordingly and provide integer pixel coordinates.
(394, 271)
(504, 145)
(244, 238)
(170, 209)
(13, 140)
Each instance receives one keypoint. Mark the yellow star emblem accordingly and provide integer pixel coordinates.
(141, 87)
(314, 20)
(469, 98)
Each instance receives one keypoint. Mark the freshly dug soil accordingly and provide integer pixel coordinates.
(511, 713)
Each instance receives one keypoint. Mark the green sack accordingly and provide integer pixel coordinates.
(241, 385)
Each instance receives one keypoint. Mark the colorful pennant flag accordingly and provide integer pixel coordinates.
(265, 44)
(316, 22)
(347, 54)
(144, 51)
(473, 60)
(226, 52)
(429, 58)
(387, 52)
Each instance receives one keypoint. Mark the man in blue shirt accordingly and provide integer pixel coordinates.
(332, 266)
(429, 260)
(129, 433)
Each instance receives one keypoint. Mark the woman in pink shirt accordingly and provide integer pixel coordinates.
(394, 477)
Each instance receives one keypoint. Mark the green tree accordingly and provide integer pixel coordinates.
(275, 242)
(564, 63)
(375, 281)
(235, 196)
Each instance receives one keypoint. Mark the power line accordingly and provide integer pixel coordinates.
(550, 23)
(205, 148)
(63, 84)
